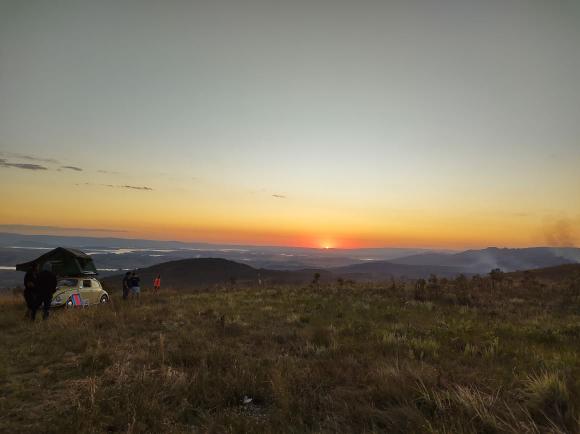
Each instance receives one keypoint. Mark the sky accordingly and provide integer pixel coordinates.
(319, 123)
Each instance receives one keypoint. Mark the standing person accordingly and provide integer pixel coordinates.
(39, 288)
(126, 283)
(135, 285)
(157, 284)
(30, 289)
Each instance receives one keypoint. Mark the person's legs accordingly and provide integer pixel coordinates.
(47, 301)
(28, 298)
(34, 305)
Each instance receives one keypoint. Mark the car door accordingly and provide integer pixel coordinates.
(88, 292)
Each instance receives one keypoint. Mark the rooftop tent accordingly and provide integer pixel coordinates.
(63, 262)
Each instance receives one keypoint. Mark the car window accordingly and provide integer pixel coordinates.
(86, 283)
(67, 282)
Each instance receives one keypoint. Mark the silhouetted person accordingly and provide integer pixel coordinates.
(30, 288)
(126, 285)
(39, 288)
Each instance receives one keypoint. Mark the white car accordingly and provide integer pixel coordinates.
(90, 290)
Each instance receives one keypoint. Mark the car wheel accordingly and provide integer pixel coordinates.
(104, 299)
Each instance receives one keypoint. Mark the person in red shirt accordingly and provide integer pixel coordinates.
(157, 284)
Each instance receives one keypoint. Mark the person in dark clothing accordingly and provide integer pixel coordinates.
(39, 289)
(30, 289)
(46, 283)
(126, 285)
(134, 283)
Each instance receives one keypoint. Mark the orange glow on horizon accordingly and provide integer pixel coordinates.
(230, 220)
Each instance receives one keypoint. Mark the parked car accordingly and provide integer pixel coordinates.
(90, 290)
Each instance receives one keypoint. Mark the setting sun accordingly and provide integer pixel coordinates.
(326, 245)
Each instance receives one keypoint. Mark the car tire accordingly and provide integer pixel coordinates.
(104, 299)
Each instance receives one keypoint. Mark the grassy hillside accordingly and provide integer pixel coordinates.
(453, 356)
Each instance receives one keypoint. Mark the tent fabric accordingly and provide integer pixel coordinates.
(63, 262)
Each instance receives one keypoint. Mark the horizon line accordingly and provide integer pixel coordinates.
(251, 244)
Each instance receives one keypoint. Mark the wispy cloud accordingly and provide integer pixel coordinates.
(279, 196)
(108, 172)
(25, 166)
(129, 187)
(31, 228)
(30, 157)
(75, 168)
(133, 187)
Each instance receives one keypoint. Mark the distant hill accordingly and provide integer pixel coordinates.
(204, 272)
(112, 255)
(482, 261)
(558, 273)
(380, 270)
(282, 264)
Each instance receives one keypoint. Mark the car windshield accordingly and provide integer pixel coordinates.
(67, 282)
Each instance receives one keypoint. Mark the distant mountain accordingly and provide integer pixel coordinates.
(112, 255)
(204, 272)
(482, 261)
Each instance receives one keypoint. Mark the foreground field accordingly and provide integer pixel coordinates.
(333, 359)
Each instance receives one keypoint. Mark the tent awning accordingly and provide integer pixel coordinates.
(62, 262)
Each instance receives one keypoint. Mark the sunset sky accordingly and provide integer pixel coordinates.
(435, 123)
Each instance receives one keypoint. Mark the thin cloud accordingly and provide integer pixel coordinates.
(25, 166)
(30, 157)
(75, 168)
(129, 187)
(135, 187)
(28, 228)
(108, 172)
(279, 196)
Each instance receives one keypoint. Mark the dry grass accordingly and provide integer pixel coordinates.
(356, 359)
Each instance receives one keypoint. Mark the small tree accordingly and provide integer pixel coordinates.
(461, 283)
(433, 285)
(496, 276)
(529, 280)
(316, 280)
(420, 289)
(574, 285)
